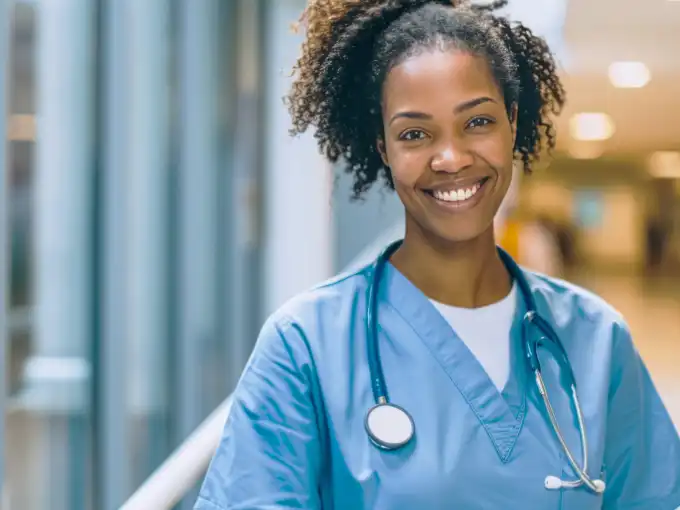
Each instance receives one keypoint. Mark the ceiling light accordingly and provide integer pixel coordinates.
(665, 164)
(590, 127)
(629, 75)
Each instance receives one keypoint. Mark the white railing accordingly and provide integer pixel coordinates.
(183, 469)
(180, 472)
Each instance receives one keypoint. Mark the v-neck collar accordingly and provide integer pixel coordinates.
(500, 413)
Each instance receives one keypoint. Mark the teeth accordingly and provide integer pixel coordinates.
(457, 195)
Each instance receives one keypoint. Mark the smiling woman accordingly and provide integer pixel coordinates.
(341, 74)
(438, 99)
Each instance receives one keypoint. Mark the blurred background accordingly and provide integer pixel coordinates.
(153, 211)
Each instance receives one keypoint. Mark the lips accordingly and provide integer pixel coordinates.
(457, 192)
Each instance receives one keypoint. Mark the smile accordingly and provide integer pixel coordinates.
(458, 196)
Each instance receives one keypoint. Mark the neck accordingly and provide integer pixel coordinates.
(467, 274)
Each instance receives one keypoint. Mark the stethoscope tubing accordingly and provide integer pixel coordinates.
(531, 344)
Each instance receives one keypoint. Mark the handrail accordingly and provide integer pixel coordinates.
(180, 472)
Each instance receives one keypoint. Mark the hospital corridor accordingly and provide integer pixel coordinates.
(156, 214)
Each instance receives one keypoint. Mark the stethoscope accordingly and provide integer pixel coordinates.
(391, 427)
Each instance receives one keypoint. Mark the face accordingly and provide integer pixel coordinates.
(448, 142)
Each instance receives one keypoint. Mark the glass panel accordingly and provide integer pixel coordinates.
(48, 421)
(146, 270)
(184, 269)
(21, 430)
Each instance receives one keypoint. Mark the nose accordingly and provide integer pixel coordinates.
(452, 158)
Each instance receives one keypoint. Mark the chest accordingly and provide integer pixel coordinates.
(453, 462)
(475, 446)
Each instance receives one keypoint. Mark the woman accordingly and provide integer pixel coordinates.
(436, 100)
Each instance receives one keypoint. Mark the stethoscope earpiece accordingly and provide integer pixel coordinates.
(553, 483)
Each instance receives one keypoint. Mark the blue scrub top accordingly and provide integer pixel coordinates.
(295, 437)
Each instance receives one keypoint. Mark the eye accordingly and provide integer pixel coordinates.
(480, 122)
(412, 135)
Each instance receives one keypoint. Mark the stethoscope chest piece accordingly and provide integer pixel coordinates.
(390, 427)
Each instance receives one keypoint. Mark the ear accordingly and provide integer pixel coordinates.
(380, 145)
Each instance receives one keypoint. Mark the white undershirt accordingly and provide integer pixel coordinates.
(486, 332)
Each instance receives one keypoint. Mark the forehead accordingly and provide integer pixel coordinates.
(437, 78)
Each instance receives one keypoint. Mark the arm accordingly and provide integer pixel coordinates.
(643, 449)
(269, 456)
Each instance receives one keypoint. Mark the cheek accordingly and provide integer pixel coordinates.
(498, 153)
(497, 149)
(407, 168)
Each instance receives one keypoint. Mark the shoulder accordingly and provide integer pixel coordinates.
(566, 302)
(324, 300)
(321, 313)
(589, 326)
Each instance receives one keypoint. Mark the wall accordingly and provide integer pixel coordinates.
(619, 238)
(358, 223)
(297, 237)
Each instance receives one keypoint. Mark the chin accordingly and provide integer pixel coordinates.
(446, 224)
(462, 233)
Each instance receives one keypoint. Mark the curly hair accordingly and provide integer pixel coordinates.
(351, 45)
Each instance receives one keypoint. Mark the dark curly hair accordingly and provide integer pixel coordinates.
(351, 45)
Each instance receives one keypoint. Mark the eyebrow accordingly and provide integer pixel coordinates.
(467, 105)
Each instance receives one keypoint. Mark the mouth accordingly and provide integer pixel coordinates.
(459, 197)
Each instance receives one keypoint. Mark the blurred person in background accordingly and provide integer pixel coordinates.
(526, 239)
(436, 99)
(657, 234)
(539, 248)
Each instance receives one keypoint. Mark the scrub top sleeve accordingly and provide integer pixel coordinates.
(642, 453)
(269, 455)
